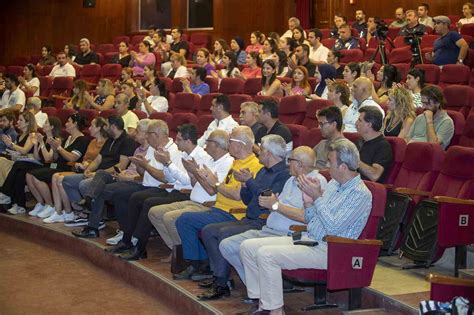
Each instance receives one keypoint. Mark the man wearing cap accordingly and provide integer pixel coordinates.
(450, 47)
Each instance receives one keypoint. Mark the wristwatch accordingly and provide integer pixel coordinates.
(460, 60)
(169, 163)
(275, 206)
(217, 184)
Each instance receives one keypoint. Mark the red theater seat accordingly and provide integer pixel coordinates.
(459, 123)
(252, 86)
(203, 123)
(454, 74)
(235, 101)
(400, 55)
(313, 137)
(312, 107)
(432, 72)
(458, 98)
(351, 55)
(64, 113)
(298, 134)
(445, 288)
(185, 103)
(90, 74)
(292, 109)
(89, 115)
(118, 39)
(398, 152)
(231, 86)
(200, 40)
(163, 116)
(204, 106)
(467, 137)
(111, 72)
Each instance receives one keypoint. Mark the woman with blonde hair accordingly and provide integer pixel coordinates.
(178, 67)
(105, 98)
(220, 47)
(400, 114)
(78, 100)
(299, 83)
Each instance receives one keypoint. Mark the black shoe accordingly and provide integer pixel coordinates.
(214, 293)
(185, 274)
(202, 275)
(206, 284)
(85, 202)
(86, 232)
(119, 248)
(134, 254)
(247, 300)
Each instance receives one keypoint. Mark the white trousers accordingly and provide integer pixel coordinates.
(263, 260)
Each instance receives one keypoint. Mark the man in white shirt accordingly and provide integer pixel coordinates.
(63, 68)
(318, 53)
(220, 109)
(163, 217)
(34, 106)
(361, 91)
(292, 23)
(130, 119)
(13, 99)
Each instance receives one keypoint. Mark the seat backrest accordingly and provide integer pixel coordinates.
(231, 86)
(292, 109)
(459, 123)
(45, 85)
(428, 40)
(457, 96)
(235, 101)
(432, 72)
(137, 39)
(181, 118)
(185, 103)
(393, 32)
(467, 137)
(165, 116)
(64, 113)
(106, 48)
(213, 84)
(50, 111)
(313, 137)
(62, 86)
(16, 70)
(200, 39)
(111, 72)
(107, 113)
(398, 153)
(379, 196)
(467, 29)
(403, 68)
(352, 136)
(140, 114)
(176, 86)
(298, 134)
(399, 42)
(454, 74)
(252, 86)
(400, 55)
(118, 39)
(351, 55)
(90, 73)
(312, 107)
(203, 123)
(89, 115)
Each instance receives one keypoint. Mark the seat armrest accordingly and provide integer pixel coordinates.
(166, 186)
(298, 228)
(61, 97)
(209, 204)
(344, 240)
(409, 191)
(264, 216)
(440, 279)
(445, 199)
(185, 191)
(388, 186)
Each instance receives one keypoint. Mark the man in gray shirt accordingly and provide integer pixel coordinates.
(330, 124)
(434, 125)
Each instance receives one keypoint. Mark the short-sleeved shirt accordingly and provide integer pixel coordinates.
(114, 148)
(157, 102)
(130, 120)
(89, 58)
(376, 151)
(445, 49)
(352, 43)
(63, 71)
(322, 150)
(124, 61)
(443, 126)
(178, 46)
(201, 89)
(278, 129)
(418, 28)
(78, 147)
(10, 99)
(35, 82)
(319, 54)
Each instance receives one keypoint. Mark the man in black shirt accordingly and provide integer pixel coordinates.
(412, 27)
(360, 25)
(177, 47)
(268, 117)
(302, 59)
(86, 56)
(375, 151)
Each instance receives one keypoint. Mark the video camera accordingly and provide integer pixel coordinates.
(381, 30)
(413, 38)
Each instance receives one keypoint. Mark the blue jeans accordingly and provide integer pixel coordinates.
(76, 186)
(190, 223)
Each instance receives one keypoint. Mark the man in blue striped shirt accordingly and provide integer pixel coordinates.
(341, 210)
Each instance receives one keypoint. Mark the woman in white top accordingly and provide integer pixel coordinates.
(268, 49)
(178, 67)
(271, 86)
(415, 82)
(230, 63)
(29, 82)
(157, 101)
(467, 10)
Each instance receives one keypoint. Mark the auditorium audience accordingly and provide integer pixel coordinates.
(450, 47)
(292, 23)
(64, 153)
(268, 49)
(467, 10)
(423, 17)
(362, 93)
(324, 73)
(46, 57)
(301, 58)
(220, 47)
(375, 151)
(7, 128)
(123, 57)
(256, 39)
(318, 53)
(86, 55)
(340, 94)
(412, 26)
(299, 83)
(252, 70)
(333, 59)
(220, 110)
(143, 58)
(156, 102)
(195, 84)
(271, 86)
(400, 114)
(280, 59)
(230, 70)
(246, 164)
(268, 117)
(237, 46)
(415, 82)
(13, 189)
(202, 60)
(345, 39)
(249, 117)
(387, 76)
(433, 125)
(177, 47)
(78, 100)
(128, 89)
(149, 74)
(33, 105)
(13, 99)
(29, 82)
(360, 24)
(339, 212)
(399, 18)
(130, 119)
(63, 68)
(105, 97)
(351, 72)
(330, 125)
(178, 67)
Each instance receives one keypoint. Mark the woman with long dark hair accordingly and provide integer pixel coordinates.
(271, 86)
(29, 82)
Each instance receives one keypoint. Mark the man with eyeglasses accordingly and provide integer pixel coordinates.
(268, 116)
(286, 209)
(434, 125)
(220, 110)
(228, 197)
(330, 125)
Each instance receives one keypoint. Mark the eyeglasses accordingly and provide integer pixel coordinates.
(321, 124)
(210, 140)
(149, 133)
(288, 160)
(237, 140)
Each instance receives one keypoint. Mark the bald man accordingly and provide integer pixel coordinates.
(362, 95)
(286, 209)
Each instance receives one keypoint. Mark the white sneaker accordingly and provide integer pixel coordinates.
(46, 212)
(16, 209)
(4, 199)
(114, 240)
(68, 216)
(54, 218)
(37, 209)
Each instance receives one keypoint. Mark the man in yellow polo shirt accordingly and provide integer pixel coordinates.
(228, 196)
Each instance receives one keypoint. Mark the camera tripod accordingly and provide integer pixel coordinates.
(416, 56)
(381, 50)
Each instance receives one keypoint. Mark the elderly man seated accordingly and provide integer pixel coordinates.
(286, 209)
(341, 210)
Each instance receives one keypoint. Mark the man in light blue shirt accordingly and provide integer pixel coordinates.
(341, 210)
